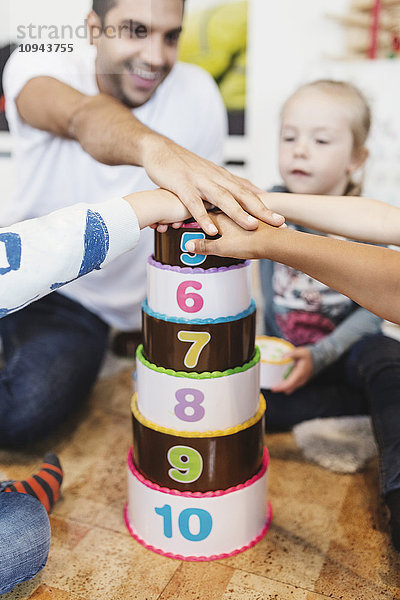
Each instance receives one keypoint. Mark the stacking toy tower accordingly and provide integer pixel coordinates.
(197, 472)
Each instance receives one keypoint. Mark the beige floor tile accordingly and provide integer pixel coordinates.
(198, 580)
(23, 591)
(360, 562)
(67, 532)
(306, 502)
(329, 536)
(45, 592)
(114, 393)
(108, 566)
(245, 586)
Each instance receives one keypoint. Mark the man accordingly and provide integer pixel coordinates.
(77, 138)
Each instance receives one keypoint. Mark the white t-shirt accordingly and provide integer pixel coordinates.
(53, 172)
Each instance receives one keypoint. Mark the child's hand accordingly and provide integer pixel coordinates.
(235, 241)
(302, 371)
(158, 208)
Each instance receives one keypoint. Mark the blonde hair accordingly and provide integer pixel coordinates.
(360, 118)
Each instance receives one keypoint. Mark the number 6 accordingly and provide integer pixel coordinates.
(189, 302)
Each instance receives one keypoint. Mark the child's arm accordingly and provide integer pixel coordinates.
(351, 216)
(157, 206)
(41, 255)
(367, 274)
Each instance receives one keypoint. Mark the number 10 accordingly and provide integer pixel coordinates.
(204, 520)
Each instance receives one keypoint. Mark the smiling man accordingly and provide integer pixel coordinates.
(132, 71)
(117, 117)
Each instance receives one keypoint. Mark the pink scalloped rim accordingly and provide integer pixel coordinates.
(199, 558)
(215, 494)
(190, 226)
(197, 270)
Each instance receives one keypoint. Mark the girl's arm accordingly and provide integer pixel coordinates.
(351, 216)
(369, 275)
(41, 255)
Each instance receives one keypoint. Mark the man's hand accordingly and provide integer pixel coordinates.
(302, 371)
(195, 180)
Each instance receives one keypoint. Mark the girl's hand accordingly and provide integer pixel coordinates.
(235, 241)
(302, 371)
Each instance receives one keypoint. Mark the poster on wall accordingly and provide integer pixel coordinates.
(215, 38)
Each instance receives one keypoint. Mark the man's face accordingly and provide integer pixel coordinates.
(137, 48)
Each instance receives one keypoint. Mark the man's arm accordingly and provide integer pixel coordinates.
(111, 134)
(367, 274)
(351, 216)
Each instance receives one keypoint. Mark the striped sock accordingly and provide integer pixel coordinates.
(43, 485)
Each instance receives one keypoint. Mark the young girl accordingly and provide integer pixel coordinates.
(339, 366)
(339, 369)
(322, 143)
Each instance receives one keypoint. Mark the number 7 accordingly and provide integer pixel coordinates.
(199, 340)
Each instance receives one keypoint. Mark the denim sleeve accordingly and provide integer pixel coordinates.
(41, 255)
(357, 325)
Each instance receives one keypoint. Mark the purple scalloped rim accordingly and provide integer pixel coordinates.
(216, 494)
(197, 270)
(200, 558)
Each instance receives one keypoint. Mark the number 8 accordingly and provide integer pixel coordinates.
(185, 406)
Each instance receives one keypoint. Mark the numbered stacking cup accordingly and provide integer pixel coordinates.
(199, 344)
(170, 249)
(197, 401)
(198, 526)
(198, 293)
(198, 461)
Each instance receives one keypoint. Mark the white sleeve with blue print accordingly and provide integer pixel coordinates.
(43, 254)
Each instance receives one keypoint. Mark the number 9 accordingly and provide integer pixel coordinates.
(188, 464)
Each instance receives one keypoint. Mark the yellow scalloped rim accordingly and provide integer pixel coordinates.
(198, 434)
(284, 361)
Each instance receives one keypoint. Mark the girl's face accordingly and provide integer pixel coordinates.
(316, 144)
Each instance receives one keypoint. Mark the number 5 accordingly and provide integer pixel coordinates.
(192, 260)
(199, 340)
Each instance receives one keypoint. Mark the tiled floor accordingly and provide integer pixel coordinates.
(329, 537)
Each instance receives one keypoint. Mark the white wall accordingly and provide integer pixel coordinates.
(14, 13)
(285, 39)
(4, 21)
(291, 42)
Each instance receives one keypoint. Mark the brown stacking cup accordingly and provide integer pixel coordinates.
(197, 346)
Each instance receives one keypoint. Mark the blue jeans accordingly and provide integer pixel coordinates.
(364, 381)
(53, 350)
(24, 539)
